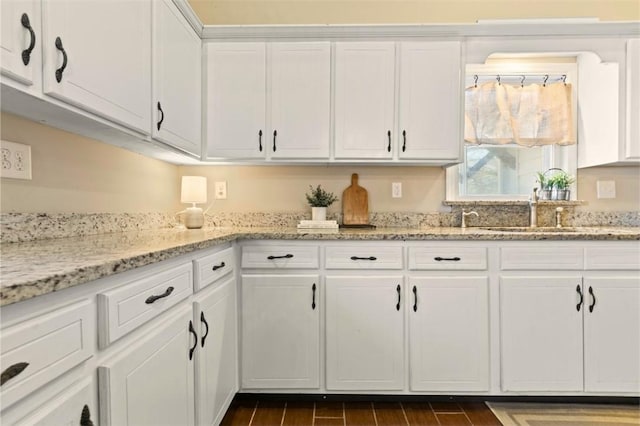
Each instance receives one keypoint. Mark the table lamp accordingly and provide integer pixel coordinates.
(194, 190)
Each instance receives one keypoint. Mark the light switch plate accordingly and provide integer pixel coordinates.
(606, 188)
(16, 160)
(221, 190)
(396, 190)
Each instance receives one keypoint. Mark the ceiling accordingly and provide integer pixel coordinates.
(273, 12)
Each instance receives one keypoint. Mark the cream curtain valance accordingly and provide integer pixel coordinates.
(530, 115)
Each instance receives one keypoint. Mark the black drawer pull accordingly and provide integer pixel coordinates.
(153, 298)
(260, 140)
(404, 140)
(452, 259)
(579, 290)
(286, 256)
(85, 417)
(159, 123)
(195, 340)
(364, 258)
(216, 267)
(206, 324)
(415, 299)
(389, 137)
(60, 70)
(275, 133)
(398, 304)
(593, 296)
(12, 371)
(26, 53)
(313, 300)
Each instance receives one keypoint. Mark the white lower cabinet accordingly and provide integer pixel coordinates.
(541, 333)
(151, 382)
(449, 333)
(365, 332)
(216, 358)
(280, 331)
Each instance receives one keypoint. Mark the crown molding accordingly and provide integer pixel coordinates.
(187, 11)
(417, 31)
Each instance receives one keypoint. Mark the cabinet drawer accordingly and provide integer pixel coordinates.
(280, 257)
(37, 351)
(607, 257)
(541, 258)
(210, 268)
(443, 258)
(363, 257)
(123, 309)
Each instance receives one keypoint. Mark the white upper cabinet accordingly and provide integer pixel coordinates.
(300, 75)
(364, 100)
(176, 79)
(21, 41)
(97, 56)
(268, 100)
(236, 100)
(632, 150)
(429, 99)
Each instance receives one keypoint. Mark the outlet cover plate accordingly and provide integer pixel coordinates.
(606, 188)
(221, 190)
(16, 160)
(396, 190)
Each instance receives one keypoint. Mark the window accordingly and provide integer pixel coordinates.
(508, 171)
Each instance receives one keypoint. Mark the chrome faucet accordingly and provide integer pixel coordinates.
(464, 216)
(533, 209)
(559, 211)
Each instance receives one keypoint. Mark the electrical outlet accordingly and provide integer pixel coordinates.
(16, 160)
(396, 190)
(221, 190)
(606, 188)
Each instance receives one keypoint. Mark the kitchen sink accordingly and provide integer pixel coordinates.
(529, 229)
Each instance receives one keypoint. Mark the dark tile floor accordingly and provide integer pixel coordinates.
(252, 412)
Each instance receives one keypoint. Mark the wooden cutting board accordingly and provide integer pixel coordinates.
(355, 204)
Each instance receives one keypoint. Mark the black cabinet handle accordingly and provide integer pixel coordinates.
(389, 137)
(153, 298)
(404, 140)
(206, 324)
(593, 296)
(579, 290)
(216, 267)
(415, 299)
(60, 70)
(364, 258)
(449, 259)
(195, 340)
(26, 53)
(275, 133)
(398, 304)
(286, 256)
(12, 371)
(161, 117)
(260, 140)
(313, 300)
(85, 417)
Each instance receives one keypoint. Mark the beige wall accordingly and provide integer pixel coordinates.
(72, 173)
(221, 12)
(627, 181)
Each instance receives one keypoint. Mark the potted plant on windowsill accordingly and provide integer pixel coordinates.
(545, 189)
(560, 184)
(319, 200)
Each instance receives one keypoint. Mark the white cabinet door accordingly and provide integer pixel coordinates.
(632, 146)
(449, 334)
(102, 59)
(429, 108)
(280, 331)
(364, 100)
(365, 333)
(300, 91)
(216, 372)
(612, 334)
(236, 100)
(176, 79)
(21, 41)
(151, 383)
(541, 331)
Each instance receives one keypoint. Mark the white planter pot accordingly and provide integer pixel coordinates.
(318, 213)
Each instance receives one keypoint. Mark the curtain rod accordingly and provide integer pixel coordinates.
(523, 77)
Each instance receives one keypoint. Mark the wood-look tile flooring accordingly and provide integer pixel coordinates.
(249, 412)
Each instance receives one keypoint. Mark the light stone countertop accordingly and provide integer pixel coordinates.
(35, 268)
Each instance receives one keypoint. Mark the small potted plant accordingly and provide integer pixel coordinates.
(545, 188)
(560, 184)
(319, 200)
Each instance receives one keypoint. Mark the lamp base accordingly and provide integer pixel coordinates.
(194, 218)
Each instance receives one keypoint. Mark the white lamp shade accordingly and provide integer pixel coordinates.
(194, 189)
